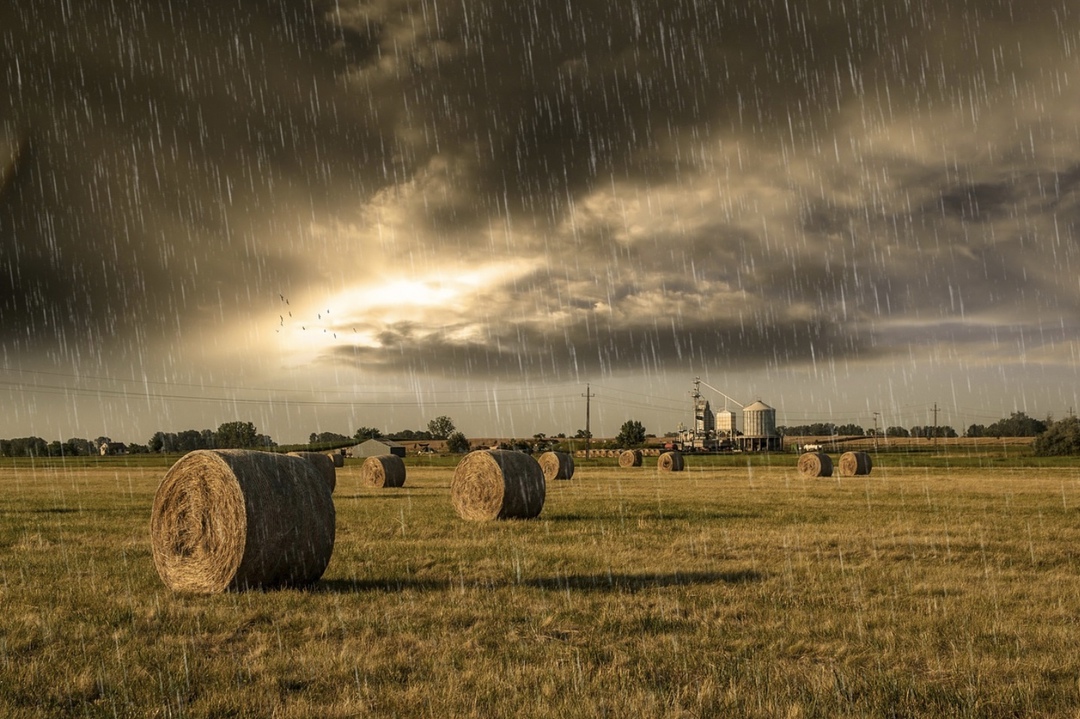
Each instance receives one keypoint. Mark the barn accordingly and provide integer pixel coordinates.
(376, 448)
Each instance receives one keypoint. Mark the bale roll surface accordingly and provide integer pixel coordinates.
(630, 458)
(338, 459)
(670, 462)
(815, 464)
(853, 464)
(235, 519)
(323, 463)
(384, 470)
(556, 465)
(497, 484)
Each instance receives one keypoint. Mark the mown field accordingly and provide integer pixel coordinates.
(935, 587)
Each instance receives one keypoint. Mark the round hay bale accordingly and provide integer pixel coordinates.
(339, 459)
(630, 458)
(670, 462)
(853, 464)
(233, 519)
(497, 484)
(323, 463)
(556, 465)
(384, 470)
(815, 464)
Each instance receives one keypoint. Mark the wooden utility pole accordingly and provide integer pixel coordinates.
(935, 423)
(588, 433)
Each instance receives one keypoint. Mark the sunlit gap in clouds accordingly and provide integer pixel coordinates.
(450, 300)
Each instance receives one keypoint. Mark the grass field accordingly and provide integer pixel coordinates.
(736, 588)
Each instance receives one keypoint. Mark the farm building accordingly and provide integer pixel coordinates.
(113, 448)
(759, 429)
(376, 448)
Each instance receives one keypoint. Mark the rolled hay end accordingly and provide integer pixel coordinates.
(556, 465)
(670, 462)
(497, 484)
(630, 458)
(815, 464)
(323, 463)
(237, 519)
(384, 470)
(854, 464)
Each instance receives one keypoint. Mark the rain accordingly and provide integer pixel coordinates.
(320, 215)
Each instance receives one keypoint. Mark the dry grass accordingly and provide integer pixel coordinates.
(727, 591)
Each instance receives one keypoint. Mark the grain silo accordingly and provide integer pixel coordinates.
(725, 423)
(759, 428)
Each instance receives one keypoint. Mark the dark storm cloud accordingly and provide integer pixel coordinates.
(769, 182)
(162, 147)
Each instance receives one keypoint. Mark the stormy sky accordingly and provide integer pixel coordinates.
(318, 216)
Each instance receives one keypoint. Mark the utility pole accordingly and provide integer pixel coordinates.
(588, 433)
(935, 423)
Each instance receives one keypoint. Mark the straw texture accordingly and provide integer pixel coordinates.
(556, 465)
(815, 464)
(384, 470)
(853, 464)
(670, 462)
(497, 484)
(236, 519)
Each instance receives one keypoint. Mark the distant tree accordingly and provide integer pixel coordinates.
(441, 427)
(897, 432)
(366, 433)
(457, 443)
(975, 430)
(27, 447)
(327, 438)
(850, 429)
(56, 449)
(191, 439)
(1018, 424)
(236, 435)
(1060, 438)
(582, 434)
(632, 434)
(930, 431)
(137, 449)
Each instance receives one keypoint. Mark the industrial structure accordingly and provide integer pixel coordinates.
(719, 432)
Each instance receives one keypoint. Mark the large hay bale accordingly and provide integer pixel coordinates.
(323, 463)
(338, 459)
(497, 484)
(234, 519)
(556, 465)
(853, 464)
(630, 458)
(670, 462)
(815, 464)
(384, 470)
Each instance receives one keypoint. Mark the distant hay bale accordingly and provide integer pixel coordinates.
(556, 465)
(670, 462)
(815, 464)
(497, 484)
(339, 459)
(630, 458)
(853, 464)
(233, 519)
(323, 463)
(384, 470)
